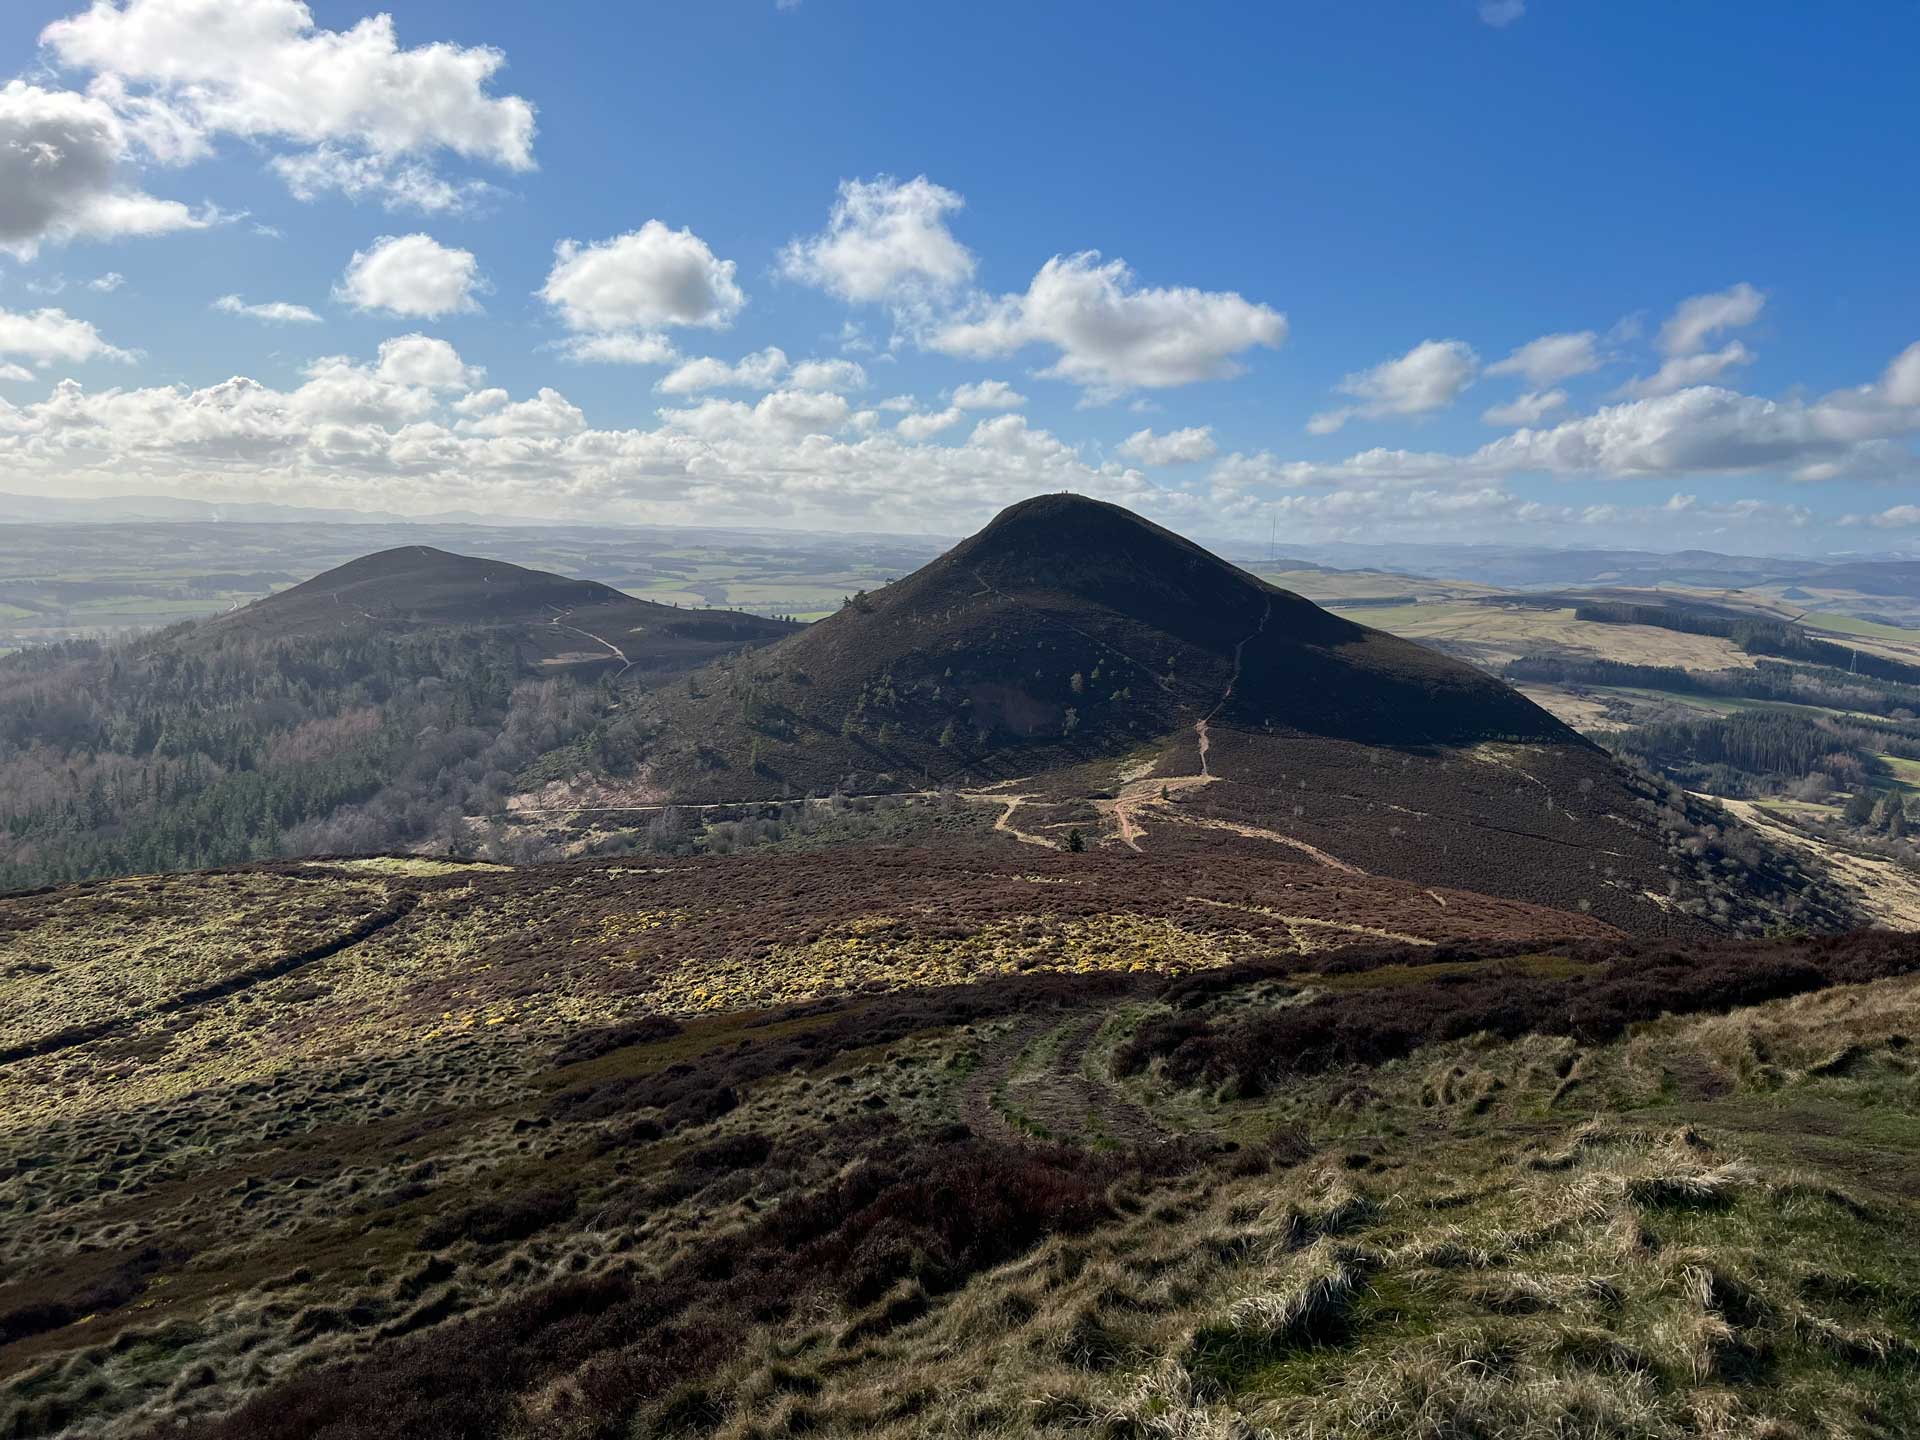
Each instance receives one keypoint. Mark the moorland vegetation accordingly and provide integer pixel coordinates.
(1211, 1172)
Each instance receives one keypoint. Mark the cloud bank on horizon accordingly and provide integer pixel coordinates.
(887, 358)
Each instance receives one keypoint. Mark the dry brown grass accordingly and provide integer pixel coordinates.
(1697, 1229)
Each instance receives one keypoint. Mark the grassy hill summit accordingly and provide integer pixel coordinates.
(416, 586)
(371, 707)
(1069, 627)
(1089, 673)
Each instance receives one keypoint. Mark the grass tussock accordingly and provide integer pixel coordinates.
(1247, 1053)
(826, 1217)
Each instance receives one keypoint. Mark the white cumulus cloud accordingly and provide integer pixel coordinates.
(919, 427)
(885, 238)
(426, 361)
(346, 436)
(397, 183)
(1177, 447)
(1697, 320)
(548, 414)
(1428, 377)
(1113, 334)
(766, 369)
(411, 275)
(1678, 372)
(759, 371)
(987, 395)
(46, 336)
(274, 312)
(1551, 358)
(1858, 434)
(66, 173)
(1901, 383)
(619, 349)
(188, 70)
(1526, 409)
(642, 280)
(828, 375)
(783, 415)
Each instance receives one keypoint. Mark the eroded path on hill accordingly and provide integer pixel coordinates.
(1004, 822)
(618, 653)
(1137, 795)
(1255, 832)
(1127, 809)
(1239, 650)
(1154, 795)
(1309, 933)
(395, 910)
(1036, 1082)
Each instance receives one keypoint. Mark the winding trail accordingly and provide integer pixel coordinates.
(1297, 924)
(1200, 725)
(1005, 820)
(1057, 1098)
(1127, 808)
(396, 910)
(1155, 793)
(618, 653)
(1254, 832)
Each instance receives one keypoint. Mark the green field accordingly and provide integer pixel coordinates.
(1906, 773)
(1723, 704)
(1854, 625)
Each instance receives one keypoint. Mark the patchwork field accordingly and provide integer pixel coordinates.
(1370, 587)
(63, 581)
(1491, 635)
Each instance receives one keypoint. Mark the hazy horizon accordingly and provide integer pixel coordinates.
(1497, 271)
(1241, 547)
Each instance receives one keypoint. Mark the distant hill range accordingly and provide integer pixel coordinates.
(1531, 566)
(1071, 676)
(555, 620)
(171, 509)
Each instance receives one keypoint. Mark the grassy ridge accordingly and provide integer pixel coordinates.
(840, 1213)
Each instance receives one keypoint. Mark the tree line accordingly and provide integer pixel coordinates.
(160, 754)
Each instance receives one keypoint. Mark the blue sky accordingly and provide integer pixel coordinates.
(1236, 266)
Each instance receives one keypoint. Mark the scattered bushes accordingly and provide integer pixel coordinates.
(935, 1212)
(110, 1290)
(1369, 1026)
(498, 1219)
(604, 1040)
